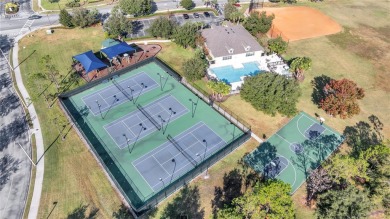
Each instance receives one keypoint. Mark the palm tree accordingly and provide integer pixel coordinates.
(299, 65)
(220, 89)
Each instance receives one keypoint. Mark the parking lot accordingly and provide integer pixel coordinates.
(140, 26)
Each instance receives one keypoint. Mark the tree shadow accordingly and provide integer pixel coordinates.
(8, 104)
(232, 184)
(122, 213)
(137, 26)
(304, 162)
(80, 213)
(185, 205)
(8, 166)
(322, 147)
(318, 84)
(5, 81)
(262, 156)
(362, 136)
(6, 43)
(12, 132)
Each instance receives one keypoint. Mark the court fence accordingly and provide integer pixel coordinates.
(132, 194)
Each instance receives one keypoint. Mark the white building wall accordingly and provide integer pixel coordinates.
(237, 59)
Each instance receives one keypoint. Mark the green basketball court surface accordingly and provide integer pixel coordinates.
(147, 129)
(293, 151)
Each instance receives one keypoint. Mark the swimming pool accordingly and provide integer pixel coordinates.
(231, 75)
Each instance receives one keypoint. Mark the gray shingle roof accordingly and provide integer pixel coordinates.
(221, 40)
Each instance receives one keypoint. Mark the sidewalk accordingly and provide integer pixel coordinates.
(38, 134)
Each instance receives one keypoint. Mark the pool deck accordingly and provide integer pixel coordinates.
(270, 63)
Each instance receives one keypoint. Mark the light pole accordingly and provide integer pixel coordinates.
(206, 176)
(131, 92)
(169, 119)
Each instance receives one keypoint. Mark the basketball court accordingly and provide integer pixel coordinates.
(296, 149)
(297, 23)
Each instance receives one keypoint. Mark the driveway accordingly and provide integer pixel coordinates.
(140, 26)
(15, 167)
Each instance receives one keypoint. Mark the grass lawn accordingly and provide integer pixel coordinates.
(73, 179)
(72, 176)
(46, 4)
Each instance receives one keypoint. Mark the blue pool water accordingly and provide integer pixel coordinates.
(230, 74)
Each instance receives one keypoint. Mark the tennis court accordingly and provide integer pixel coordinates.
(118, 93)
(296, 149)
(151, 133)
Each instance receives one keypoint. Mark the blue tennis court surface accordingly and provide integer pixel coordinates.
(165, 163)
(118, 93)
(136, 125)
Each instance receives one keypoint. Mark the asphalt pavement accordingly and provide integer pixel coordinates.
(15, 167)
(141, 26)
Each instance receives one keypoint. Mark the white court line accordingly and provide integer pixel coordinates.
(323, 126)
(112, 85)
(98, 92)
(159, 148)
(128, 128)
(291, 144)
(137, 113)
(159, 164)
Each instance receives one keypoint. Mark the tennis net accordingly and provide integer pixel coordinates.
(122, 90)
(174, 142)
(147, 115)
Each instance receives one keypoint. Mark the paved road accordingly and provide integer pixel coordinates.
(15, 167)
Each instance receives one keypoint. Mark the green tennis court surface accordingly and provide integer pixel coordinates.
(148, 130)
(296, 149)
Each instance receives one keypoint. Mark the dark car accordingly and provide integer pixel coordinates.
(206, 14)
(186, 16)
(196, 15)
(34, 16)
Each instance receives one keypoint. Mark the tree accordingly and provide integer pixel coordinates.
(256, 23)
(195, 68)
(162, 27)
(187, 4)
(270, 200)
(340, 99)
(84, 18)
(186, 35)
(277, 45)
(65, 18)
(343, 168)
(220, 89)
(50, 71)
(228, 10)
(117, 24)
(299, 65)
(347, 203)
(186, 203)
(136, 7)
(271, 93)
(318, 182)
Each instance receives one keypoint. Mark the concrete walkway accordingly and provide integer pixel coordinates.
(38, 134)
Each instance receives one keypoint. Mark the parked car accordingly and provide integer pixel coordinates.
(186, 16)
(196, 15)
(206, 14)
(34, 16)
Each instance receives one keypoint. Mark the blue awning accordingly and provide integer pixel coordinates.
(89, 61)
(117, 49)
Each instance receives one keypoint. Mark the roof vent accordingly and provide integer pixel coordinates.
(247, 48)
(231, 51)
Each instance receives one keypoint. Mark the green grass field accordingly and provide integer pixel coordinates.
(358, 53)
